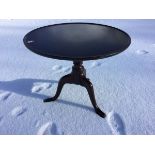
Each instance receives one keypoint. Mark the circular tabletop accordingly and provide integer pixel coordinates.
(77, 41)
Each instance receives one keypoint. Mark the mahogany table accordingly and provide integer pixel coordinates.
(77, 42)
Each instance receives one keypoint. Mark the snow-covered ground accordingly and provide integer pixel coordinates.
(124, 85)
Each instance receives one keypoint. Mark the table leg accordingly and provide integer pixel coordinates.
(89, 86)
(63, 80)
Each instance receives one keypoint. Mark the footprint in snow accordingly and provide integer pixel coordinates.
(37, 87)
(61, 69)
(141, 52)
(17, 111)
(56, 67)
(4, 96)
(37, 123)
(116, 123)
(64, 70)
(95, 64)
(49, 128)
(1, 120)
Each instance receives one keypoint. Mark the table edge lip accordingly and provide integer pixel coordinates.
(78, 58)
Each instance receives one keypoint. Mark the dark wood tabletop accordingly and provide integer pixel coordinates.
(77, 41)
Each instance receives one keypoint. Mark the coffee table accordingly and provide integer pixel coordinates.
(77, 42)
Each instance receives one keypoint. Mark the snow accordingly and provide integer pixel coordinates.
(124, 85)
(142, 52)
(116, 124)
(48, 128)
(17, 111)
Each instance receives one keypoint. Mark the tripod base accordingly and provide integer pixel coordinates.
(78, 76)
